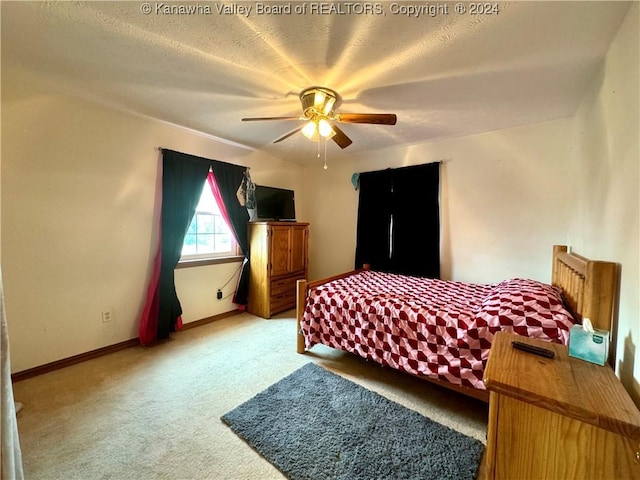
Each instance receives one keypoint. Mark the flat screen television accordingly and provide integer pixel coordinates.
(275, 204)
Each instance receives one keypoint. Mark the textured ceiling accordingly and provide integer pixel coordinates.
(444, 75)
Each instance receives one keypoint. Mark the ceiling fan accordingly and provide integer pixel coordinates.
(318, 113)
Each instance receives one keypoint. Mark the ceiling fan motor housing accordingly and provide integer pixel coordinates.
(319, 101)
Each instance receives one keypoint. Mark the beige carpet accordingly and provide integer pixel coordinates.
(154, 413)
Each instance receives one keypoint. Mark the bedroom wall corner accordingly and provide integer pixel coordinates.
(605, 162)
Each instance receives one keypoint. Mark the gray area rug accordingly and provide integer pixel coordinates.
(316, 425)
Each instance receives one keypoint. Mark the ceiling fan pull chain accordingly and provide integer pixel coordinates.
(325, 153)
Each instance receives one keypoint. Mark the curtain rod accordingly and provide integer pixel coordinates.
(160, 149)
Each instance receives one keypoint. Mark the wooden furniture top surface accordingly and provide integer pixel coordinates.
(581, 390)
(273, 222)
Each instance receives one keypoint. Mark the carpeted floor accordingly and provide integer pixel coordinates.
(154, 413)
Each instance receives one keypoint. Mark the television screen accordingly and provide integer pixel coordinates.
(275, 203)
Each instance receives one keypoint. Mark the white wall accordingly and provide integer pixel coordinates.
(605, 164)
(504, 202)
(78, 209)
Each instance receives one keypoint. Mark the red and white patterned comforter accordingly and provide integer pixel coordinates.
(437, 328)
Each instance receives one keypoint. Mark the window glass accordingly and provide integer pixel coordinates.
(208, 235)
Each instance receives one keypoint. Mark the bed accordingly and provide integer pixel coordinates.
(442, 330)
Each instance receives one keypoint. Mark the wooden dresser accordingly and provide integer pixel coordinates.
(278, 259)
(559, 418)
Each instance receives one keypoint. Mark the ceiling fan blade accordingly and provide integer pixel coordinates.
(377, 118)
(341, 138)
(284, 137)
(256, 119)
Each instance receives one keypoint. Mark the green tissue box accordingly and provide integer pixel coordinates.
(591, 346)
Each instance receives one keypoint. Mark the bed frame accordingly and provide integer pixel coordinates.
(589, 288)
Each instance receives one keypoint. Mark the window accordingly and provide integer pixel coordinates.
(208, 235)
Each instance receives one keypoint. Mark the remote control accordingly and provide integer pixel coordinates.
(544, 352)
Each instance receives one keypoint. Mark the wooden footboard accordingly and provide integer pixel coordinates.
(301, 295)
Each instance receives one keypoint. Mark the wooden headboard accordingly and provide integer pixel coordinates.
(589, 286)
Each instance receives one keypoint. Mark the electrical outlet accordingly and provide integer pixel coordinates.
(107, 316)
(219, 295)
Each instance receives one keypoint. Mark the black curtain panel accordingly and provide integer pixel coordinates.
(374, 220)
(182, 179)
(399, 220)
(228, 178)
(416, 220)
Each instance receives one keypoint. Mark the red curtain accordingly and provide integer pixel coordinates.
(211, 179)
(149, 322)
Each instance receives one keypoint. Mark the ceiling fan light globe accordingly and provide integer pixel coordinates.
(310, 130)
(325, 129)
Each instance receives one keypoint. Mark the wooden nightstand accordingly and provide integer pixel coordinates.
(559, 418)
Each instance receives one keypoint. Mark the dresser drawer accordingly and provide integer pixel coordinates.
(284, 285)
(282, 302)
